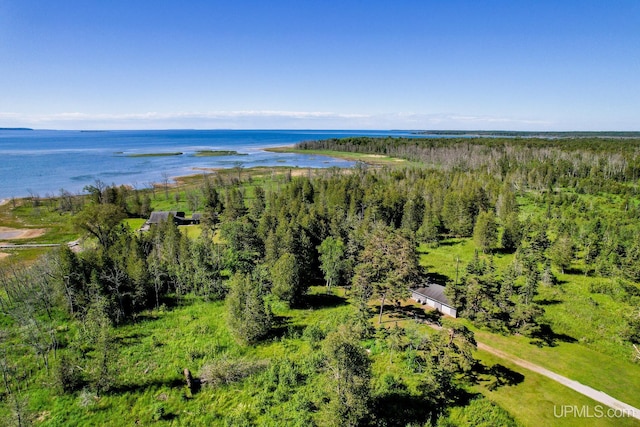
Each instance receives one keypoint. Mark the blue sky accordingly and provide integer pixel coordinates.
(522, 65)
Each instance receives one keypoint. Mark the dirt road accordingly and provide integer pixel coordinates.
(594, 394)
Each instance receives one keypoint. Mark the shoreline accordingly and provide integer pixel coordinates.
(103, 157)
(194, 170)
(182, 179)
(185, 175)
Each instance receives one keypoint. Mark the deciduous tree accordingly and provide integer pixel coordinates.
(331, 259)
(100, 221)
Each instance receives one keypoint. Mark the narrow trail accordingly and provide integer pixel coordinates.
(72, 244)
(30, 245)
(592, 393)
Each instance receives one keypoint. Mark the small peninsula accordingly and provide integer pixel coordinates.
(218, 153)
(178, 153)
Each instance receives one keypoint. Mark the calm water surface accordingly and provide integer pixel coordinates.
(43, 162)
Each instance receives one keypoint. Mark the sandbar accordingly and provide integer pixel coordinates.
(8, 233)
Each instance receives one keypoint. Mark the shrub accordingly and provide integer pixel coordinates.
(313, 334)
(479, 412)
(68, 375)
(159, 412)
(225, 371)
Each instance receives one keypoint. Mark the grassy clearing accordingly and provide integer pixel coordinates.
(372, 159)
(533, 401)
(618, 378)
(588, 326)
(59, 225)
(153, 353)
(192, 231)
(531, 397)
(134, 223)
(26, 255)
(452, 256)
(594, 320)
(26, 216)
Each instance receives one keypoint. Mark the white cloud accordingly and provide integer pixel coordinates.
(267, 119)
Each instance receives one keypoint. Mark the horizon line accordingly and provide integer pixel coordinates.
(421, 131)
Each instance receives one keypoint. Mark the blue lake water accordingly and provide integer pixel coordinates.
(43, 162)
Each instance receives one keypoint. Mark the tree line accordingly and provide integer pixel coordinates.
(590, 165)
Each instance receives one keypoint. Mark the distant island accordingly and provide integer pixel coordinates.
(531, 134)
(201, 153)
(16, 129)
(178, 153)
(217, 153)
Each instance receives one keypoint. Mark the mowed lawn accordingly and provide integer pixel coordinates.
(540, 401)
(587, 326)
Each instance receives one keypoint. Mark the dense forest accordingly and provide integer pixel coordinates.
(339, 236)
(583, 164)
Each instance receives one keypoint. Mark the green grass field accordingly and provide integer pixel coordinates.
(372, 159)
(539, 401)
(152, 356)
(153, 353)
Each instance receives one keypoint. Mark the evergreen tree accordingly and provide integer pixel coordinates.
(98, 334)
(485, 232)
(258, 204)
(213, 206)
(413, 213)
(561, 252)
(248, 317)
(429, 230)
(348, 372)
(506, 204)
(285, 278)
(511, 233)
(388, 265)
(234, 206)
(632, 331)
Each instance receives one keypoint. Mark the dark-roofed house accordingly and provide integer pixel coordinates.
(178, 218)
(433, 295)
(160, 216)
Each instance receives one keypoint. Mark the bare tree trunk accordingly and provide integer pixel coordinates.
(165, 184)
(384, 296)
